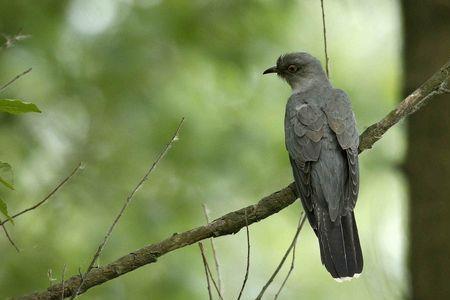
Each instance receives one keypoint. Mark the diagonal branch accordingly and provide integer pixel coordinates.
(208, 270)
(435, 85)
(205, 265)
(213, 248)
(49, 195)
(4, 86)
(301, 221)
(227, 224)
(235, 221)
(127, 202)
(2, 223)
(247, 266)
(8, 236)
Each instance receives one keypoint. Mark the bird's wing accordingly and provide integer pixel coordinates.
(304, 128)
(341, 120)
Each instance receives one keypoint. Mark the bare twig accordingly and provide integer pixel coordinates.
(301, 221)
(125, 205)
(213, 248)
(62, 280)
(291, 268)
(205, 264)
(325, 39)
(11, 241)
(50, 277)
(11, 40)
(202, 251)
(247, 267)
(299, 228)
(235, 221)
(3, 87)
(64, 181)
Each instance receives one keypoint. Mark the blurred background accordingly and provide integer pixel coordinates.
(114, 77)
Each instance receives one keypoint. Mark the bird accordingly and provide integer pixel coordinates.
(322, 141)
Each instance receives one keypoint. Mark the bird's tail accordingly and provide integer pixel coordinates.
(340, 249)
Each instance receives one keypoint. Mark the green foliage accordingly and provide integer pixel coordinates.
(7, 179)
(4, 210)
(15, 106)
(12, 106)
(6, 175)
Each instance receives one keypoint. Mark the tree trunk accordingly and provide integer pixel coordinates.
(426, 47)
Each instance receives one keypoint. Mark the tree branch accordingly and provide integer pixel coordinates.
(208, 270)
(49, 195)
(435, 85)
(291, 246)
(302, 221)
(125, 205)
(2, 223)
(3, 87)
(8, 236)
(205, 265)
(228, 224)
(213, 248)
(327, 60)
(247, 266)
(12, 40)
(234, 221)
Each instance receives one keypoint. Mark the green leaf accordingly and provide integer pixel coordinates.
(4, 210)
(15, 106)
(6, 175)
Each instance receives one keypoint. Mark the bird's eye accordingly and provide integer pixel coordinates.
(292, 68)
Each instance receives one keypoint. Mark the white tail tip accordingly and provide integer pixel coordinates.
(343, 279)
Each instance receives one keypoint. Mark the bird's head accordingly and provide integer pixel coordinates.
(299, 69)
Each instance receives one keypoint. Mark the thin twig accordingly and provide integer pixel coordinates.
(291, 246)
(247, 268)
(209, 270)
(11, 40)
(213, 248)
(301, 221)
(64, 181)
(125, 205)
(205, 264)
(3, 87)
(62, 281)
(11, 241)
(291, 268)
(325, 39)
(50, 277)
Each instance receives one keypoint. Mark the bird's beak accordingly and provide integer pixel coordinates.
(271, 70)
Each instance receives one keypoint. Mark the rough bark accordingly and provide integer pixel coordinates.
(426, 45)
(234, 221)
(227, 224)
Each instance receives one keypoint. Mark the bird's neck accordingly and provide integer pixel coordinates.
(309, 83)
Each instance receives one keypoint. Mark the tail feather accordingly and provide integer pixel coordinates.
(339, 246)
(349, 242)
(325, 256)
(358, 251)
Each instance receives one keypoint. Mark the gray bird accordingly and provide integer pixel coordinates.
(322, 142)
